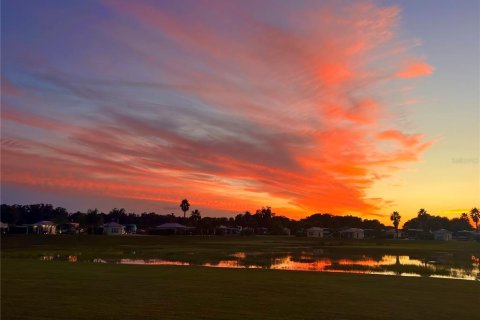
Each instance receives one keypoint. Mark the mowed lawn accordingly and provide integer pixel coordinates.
(62, 290)
(34, 289)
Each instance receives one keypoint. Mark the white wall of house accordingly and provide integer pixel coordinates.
(442, 236)
(315, 232)
(113, 229)
(44, 227)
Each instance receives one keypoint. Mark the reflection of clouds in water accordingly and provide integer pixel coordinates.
(288, 264)
(152, 262)
(374, 266)
(239, 255)
(363, 265)
(230, 264)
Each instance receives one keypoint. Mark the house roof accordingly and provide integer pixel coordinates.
(352, 230)
(44, 223)
(315, 229)
(171, 226)
(393, 230)
(442, 231)
(113, 224)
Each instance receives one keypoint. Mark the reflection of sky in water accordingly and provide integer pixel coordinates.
(360, 265)
(157, 262)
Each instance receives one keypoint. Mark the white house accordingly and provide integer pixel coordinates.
(315, 232)
(113, 228)
(442, 234)
(352, 233)
(44, 227)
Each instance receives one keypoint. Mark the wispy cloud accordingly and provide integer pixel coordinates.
(233, 109)
(415, 68)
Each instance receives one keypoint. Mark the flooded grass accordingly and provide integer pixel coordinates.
(456, 260)
(386, 265)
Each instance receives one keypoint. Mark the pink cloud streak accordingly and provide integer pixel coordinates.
(284, 115)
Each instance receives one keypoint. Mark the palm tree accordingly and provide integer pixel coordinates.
(184, 205)
(423, 218)
(395, 218)
(464, 216)
(475, 215)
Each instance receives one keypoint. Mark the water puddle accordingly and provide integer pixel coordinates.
(393, 265)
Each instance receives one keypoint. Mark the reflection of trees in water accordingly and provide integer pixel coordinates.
(399, 263)
(394, 264)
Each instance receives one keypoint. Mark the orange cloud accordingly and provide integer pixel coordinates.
(233, 118)
(415, 69)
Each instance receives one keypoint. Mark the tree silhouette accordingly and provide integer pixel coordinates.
(196, 216)
(395, 217)
(423, 218)
(94, 218)
(475, 215)
(459, 224)
(184, 205)
(117, 214)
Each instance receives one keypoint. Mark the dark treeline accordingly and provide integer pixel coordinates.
(262, 218)
(428, 222)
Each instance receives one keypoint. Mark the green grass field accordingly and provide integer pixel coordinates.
(34, 289)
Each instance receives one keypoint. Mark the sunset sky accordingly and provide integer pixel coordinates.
(345, 107)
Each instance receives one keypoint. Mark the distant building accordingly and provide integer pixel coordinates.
(3, 228)
(352, 233)
(131, 228)
(169, 229)
(287, 231)
(414, 233)
(113, 229)
(464, 235)
(224, 230)
(392, 234)
(44, 227)
(442, 235)
(370, 233)
(315, 232)
(69, 228)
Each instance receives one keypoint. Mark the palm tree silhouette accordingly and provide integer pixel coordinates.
(423, 217)
(395, 217)
(184, 205)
